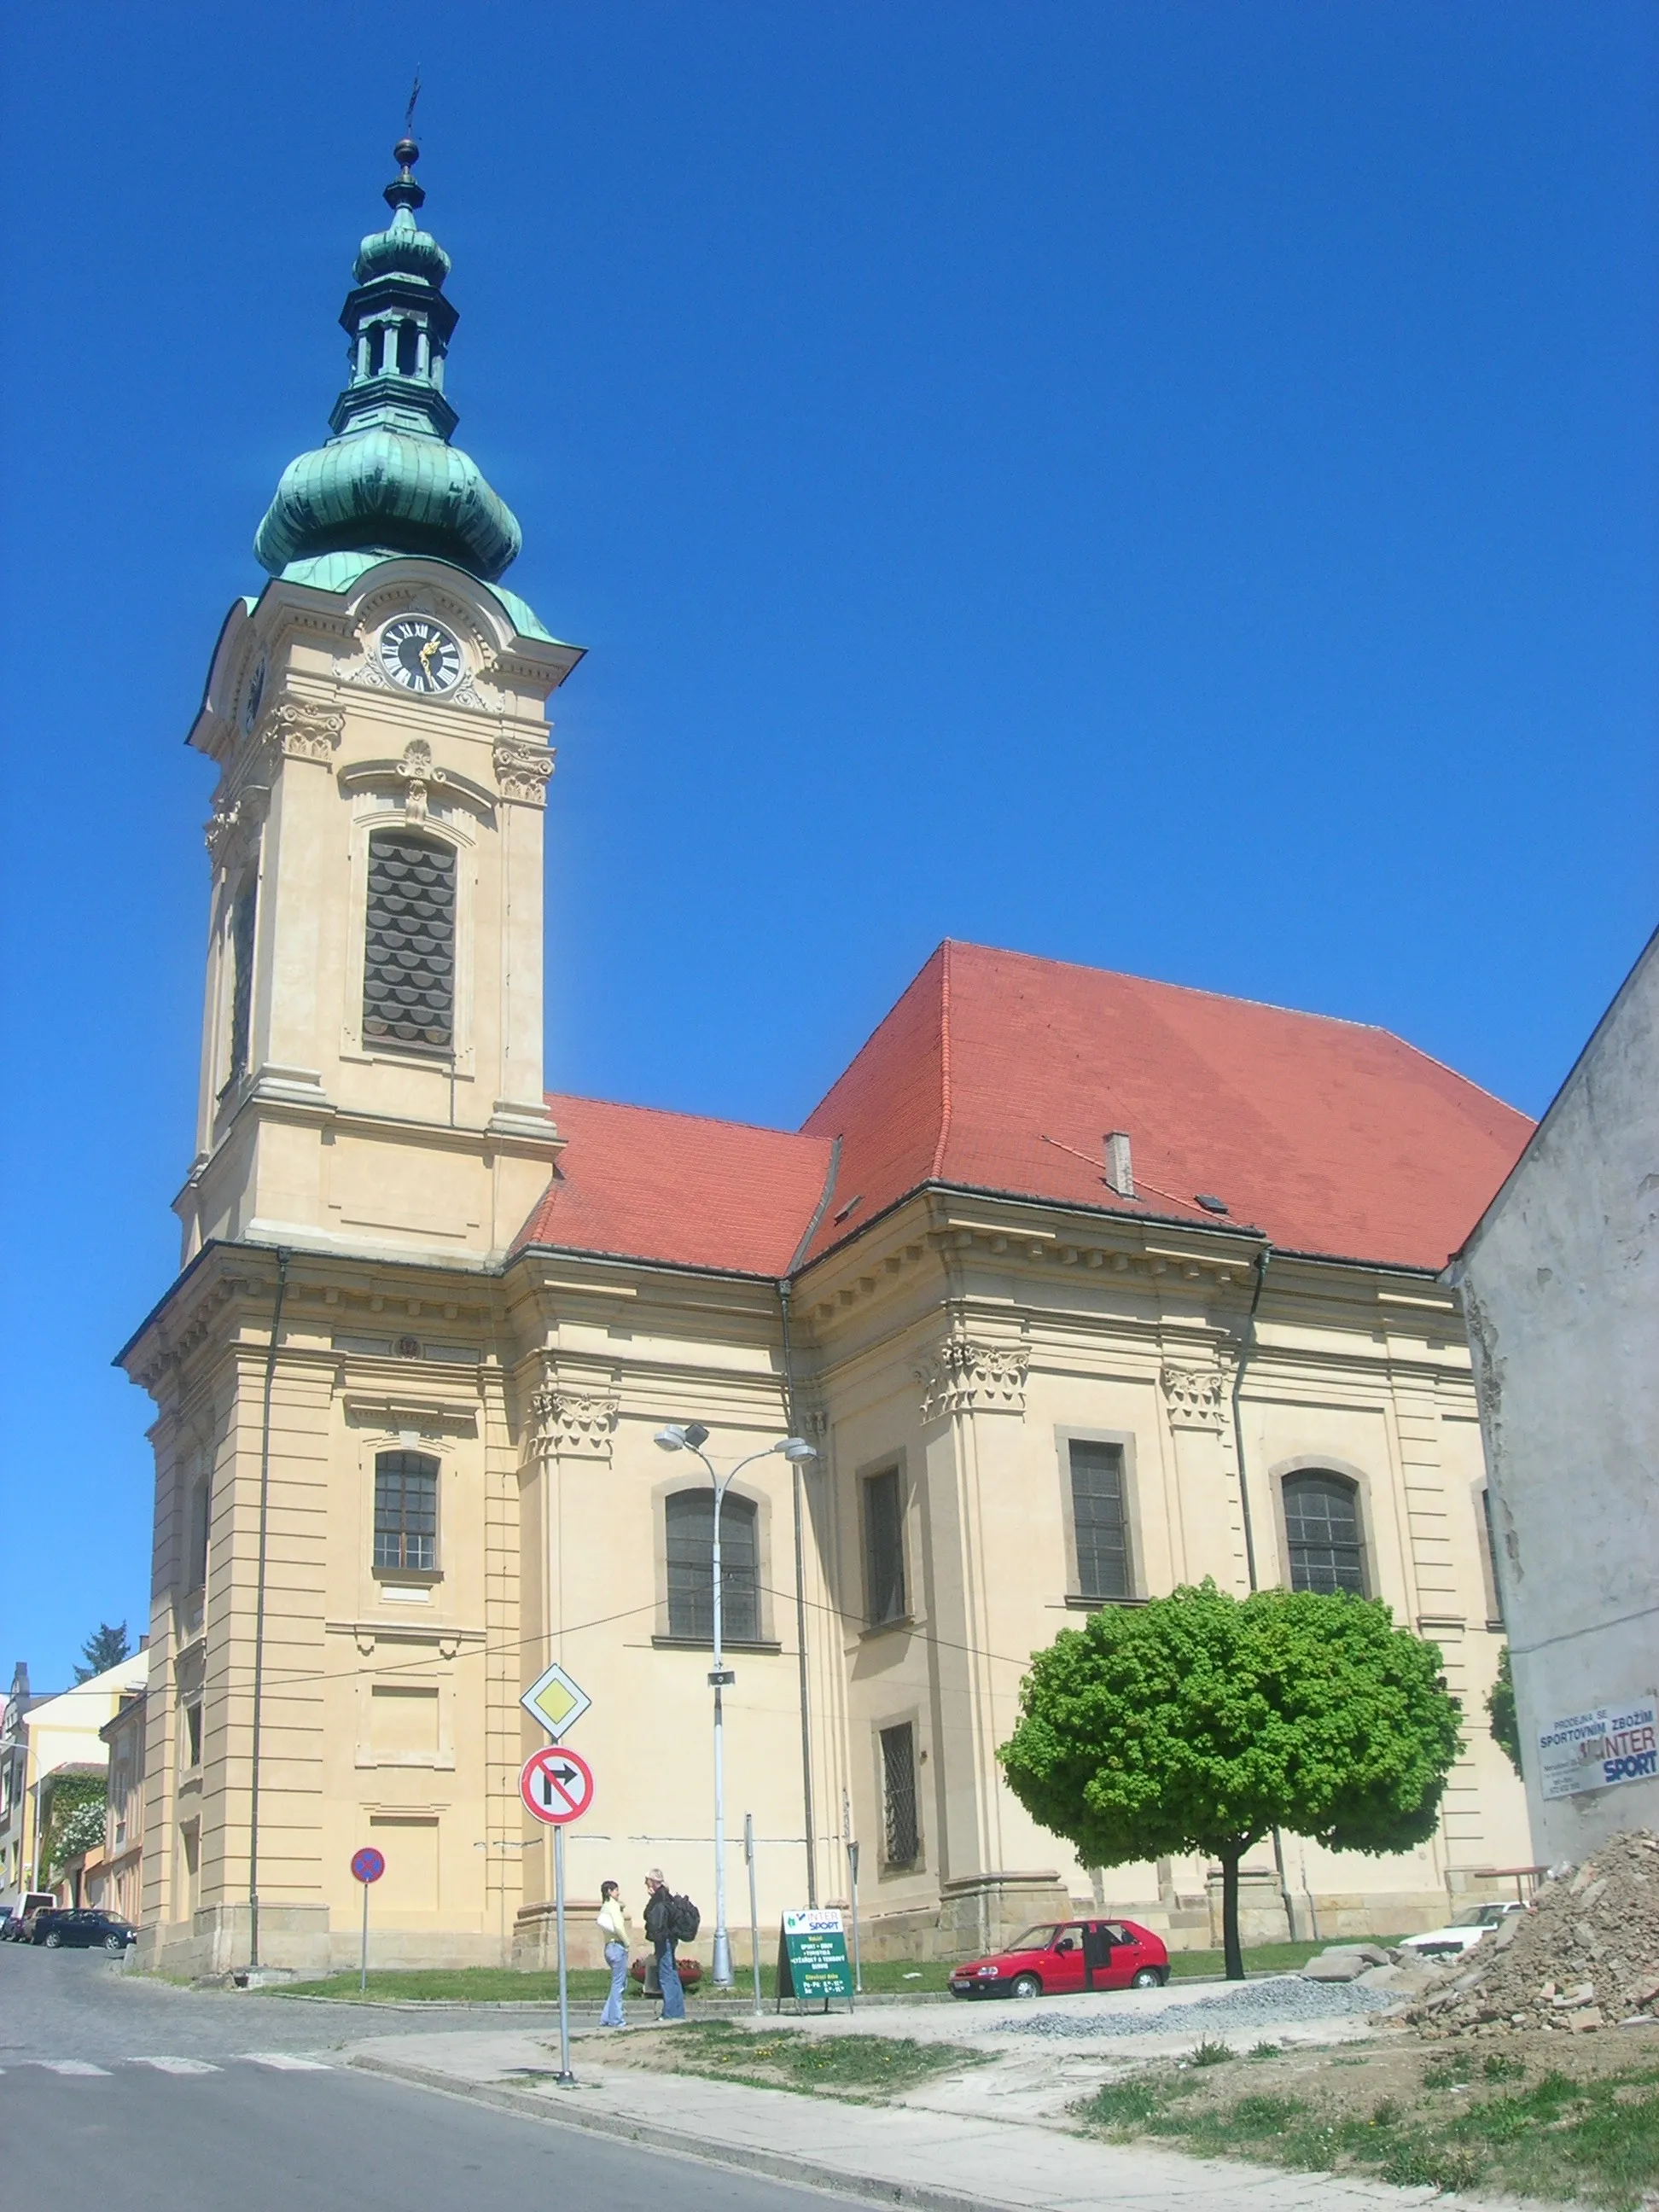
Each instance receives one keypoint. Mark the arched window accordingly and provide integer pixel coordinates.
(689, 1515)
(242, 917)
(406, 1510)
(1321, 1528)
(409, 961)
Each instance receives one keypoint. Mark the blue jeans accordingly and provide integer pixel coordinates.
(616, 1957)
(668, 1974)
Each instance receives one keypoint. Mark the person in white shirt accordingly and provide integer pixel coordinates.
(613, 1925)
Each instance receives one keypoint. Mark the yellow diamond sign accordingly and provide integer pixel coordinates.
(556, 1701)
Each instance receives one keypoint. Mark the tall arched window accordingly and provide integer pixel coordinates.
(408, 959)
(689, 1515)
(406, 1510)
(1321, 1528)
(242, 918)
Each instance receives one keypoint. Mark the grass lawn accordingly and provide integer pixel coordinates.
(503, 1985)
(864, 2069)
(1262, 1957)
(1531, 2117)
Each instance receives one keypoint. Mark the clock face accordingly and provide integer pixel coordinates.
(420, 655)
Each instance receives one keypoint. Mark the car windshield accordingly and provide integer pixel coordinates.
(1034, 1939)
(1483, 1916)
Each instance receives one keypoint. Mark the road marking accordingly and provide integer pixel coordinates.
(175, 2065)
(71, 2066)
(285, 2062)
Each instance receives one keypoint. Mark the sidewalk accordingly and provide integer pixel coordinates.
(952, 2159)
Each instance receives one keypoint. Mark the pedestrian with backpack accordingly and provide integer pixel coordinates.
(669, 1922)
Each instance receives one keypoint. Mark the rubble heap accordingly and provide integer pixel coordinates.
(1588, 1957)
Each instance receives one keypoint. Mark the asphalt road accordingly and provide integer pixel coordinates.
(116, 2092)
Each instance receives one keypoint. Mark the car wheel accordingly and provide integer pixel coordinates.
(1025, 1986)
(54, 1941)
(1148, 1977)
(115, 1945)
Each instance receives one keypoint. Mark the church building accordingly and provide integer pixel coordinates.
(1079, 1287)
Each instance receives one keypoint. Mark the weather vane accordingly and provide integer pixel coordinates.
(409, 112)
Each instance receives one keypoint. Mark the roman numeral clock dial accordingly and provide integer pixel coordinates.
(419, 654)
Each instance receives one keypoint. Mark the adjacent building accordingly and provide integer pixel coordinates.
(64, 1744)
(16, 1864)
(1561, 1281)
(1081, 1286)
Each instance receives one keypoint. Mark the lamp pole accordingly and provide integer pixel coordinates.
(691, 1436)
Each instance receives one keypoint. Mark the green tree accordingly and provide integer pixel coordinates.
(67, 1798)
(1202, 1722)
(1500, 1713)
(107, 1647)
(81, 1829)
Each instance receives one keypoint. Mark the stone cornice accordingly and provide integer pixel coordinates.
(966, 1374)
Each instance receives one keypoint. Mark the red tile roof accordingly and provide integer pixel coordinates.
(649, 1185)
(1002, 1072)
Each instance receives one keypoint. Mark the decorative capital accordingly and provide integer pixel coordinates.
(235, 819)
(576, 1423)
(303, 730)
(966, 1377)
(521, 771)
(1196, 1396)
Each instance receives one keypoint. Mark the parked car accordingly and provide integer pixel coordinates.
(1069, 1954)
(14, 1928)
(1463, 1933)
(60, 1930)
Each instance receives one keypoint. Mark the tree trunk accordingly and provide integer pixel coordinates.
(1232, 1951)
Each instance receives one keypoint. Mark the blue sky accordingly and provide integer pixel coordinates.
(1168, 486)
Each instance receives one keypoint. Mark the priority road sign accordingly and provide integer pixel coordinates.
(556, 1786)
(556, 1702)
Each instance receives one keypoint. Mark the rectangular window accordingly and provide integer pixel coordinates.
(406, 1510)
(1495, 1589)
(884, 1548)
(242, 979)
(688, 1528)
(1321, 1527)
(192, 1735)
(404, 1721)
(201, 1499)
(901, 1837)
(1099, 1524)
(409, 961)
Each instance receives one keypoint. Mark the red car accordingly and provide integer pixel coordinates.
(1069, 1954)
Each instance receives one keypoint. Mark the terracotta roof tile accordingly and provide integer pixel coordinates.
(1000, 1072)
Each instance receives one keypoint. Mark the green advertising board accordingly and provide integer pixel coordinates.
(812, 1958)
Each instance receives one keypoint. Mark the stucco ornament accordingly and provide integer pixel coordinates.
(234, 818)
(302, 731)
(1196, 1396)
(521, 771)
(417, 769)
(576, 1423)
(965, 1376)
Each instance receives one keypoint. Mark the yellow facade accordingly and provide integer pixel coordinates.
(964, 1341)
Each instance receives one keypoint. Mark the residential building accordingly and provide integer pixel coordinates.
(111, 1877)
(1560, 1284)
(15, 1859)
(1081, 1287)
(65, 1744)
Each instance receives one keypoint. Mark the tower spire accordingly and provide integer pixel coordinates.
(388, 482)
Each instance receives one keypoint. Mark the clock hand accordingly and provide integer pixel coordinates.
(431, 647)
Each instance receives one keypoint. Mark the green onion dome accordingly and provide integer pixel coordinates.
(389, 481)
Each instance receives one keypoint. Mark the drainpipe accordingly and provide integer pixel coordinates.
(282, 1258)
(1245, 1351)
(800, 1611)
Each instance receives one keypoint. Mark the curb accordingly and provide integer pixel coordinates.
(780, 2166)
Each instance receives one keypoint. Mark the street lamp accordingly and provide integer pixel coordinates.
(691, 1436)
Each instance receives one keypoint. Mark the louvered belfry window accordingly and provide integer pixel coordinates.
(409, 965)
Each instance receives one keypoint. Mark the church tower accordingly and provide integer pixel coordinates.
(371, 1075)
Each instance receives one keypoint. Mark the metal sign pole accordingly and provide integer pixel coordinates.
(858, 1962)
(564, 2078)
(754, 1909)
(362, 1971)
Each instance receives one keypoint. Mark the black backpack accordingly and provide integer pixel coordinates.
(684, 1919)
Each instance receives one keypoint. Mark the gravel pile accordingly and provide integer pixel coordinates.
(1282, 2001)
(1587, 1958)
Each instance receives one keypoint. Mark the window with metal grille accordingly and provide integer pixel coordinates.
(408, 960)
(1099, 1524)
(243, 914)
(406, 1510)
(688, 1516)
(1321, 1527)
(884, 1548)
(901, 1836)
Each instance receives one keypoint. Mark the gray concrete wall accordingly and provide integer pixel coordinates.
(1560, 1283)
